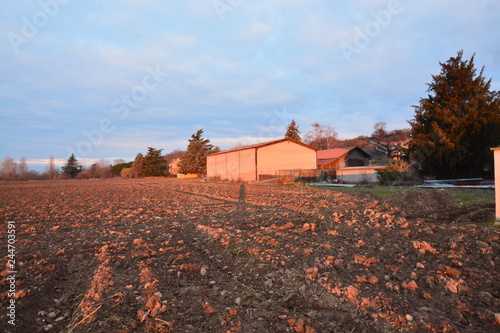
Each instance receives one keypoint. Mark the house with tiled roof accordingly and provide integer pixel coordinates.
(342, 157)
(348, 164)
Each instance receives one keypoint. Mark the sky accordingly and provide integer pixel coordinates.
(107, 79)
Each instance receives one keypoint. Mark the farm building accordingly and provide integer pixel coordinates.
(173, 167)
(262, 160)
(342, 157)
(174, 170)
(349, 165)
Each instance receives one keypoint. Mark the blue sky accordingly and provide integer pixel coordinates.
(107, 79)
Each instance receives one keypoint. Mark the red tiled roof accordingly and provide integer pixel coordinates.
(333, 153)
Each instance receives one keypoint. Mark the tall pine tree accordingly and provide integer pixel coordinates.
(72, 167)
(292, 131)
(457, 123)
(153, 164)
(195, 159)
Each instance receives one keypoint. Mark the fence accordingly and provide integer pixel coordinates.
(306, 175)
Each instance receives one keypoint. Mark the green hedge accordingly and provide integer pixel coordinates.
(396, 178)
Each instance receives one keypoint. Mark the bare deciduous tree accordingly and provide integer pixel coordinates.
(51, 170)
(8, 169)
(22, 168)
(380, 130)
(118, 161)
(322, 136)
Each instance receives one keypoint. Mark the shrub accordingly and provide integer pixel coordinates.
(117, 169)
(126, 173)
(86, 174)
(398, 173)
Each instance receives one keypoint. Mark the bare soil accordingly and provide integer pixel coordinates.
(156, 255)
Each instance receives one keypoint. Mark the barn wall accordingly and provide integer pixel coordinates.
(214, 167)
(284, 156)
(237, 165)
(241, 165)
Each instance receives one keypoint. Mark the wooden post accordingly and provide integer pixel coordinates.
(496, 155)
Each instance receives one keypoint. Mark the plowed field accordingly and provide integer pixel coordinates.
(155, 255)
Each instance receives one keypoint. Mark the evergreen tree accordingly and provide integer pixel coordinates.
(195, 158)
(153, 164)
(292, 131)
(457, 123)
(136, 168)
(72, 167)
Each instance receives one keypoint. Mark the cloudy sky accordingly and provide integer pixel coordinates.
(107, 79)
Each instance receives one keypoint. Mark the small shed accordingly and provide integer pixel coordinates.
(342, 157)
(262, 160)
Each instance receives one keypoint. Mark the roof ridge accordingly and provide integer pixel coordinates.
(261, 144)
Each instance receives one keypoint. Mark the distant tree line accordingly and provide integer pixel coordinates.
(12, 170)
(154, 164)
